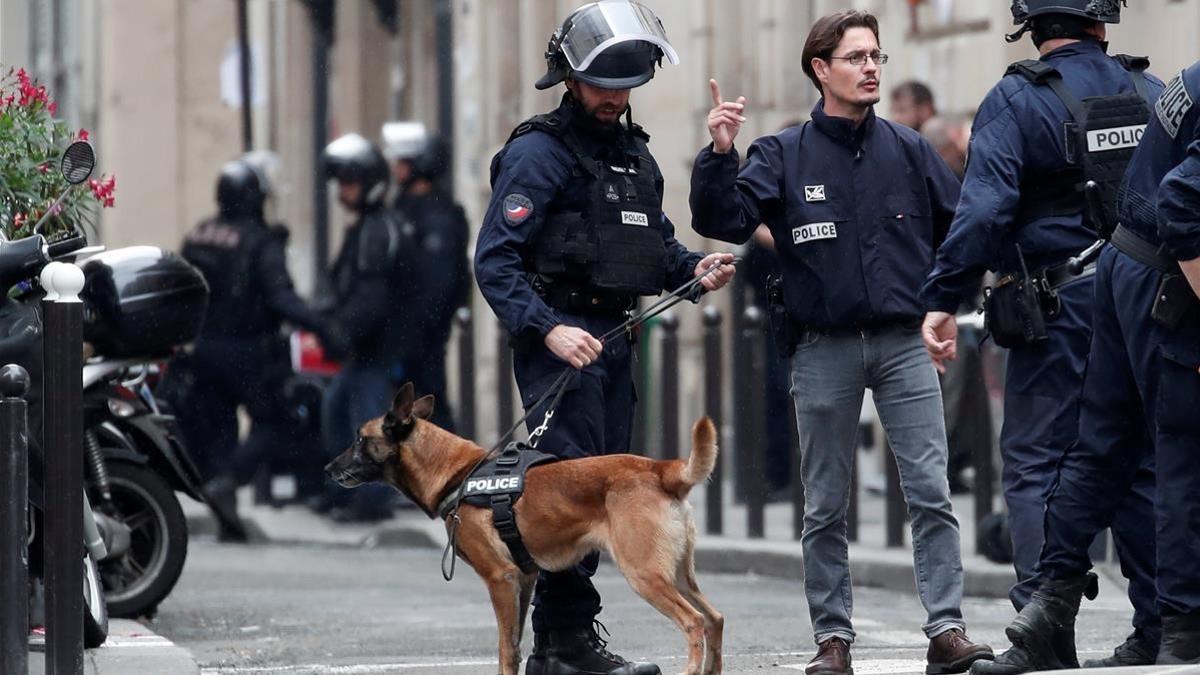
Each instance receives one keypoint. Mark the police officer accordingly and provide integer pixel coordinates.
(1141, 394)
(856, 205)
(238, 350)
(371, 308)
(419, 161)
(1033, 199)
(574, 233)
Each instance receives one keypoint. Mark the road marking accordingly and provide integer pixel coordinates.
(136, 642)
(365, 669)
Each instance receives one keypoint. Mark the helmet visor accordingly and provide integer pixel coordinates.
(601, 25)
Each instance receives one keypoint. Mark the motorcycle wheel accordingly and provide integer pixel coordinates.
(136, 582)
(95, 609)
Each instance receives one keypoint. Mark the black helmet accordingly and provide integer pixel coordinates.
(428, 154)
(353, 159)
(245, 184)
(611, 44)
(1104, 11)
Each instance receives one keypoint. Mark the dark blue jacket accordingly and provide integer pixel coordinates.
(856, 214)
(1178, 111)
(441, 271)
(539, 167)
(1018, 136)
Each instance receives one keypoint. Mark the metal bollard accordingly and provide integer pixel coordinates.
(14, 514)
(670, 386)
(466, 372)
(63, 365)
(752, 444)
(504, 385)
(896, 508)
(714, 523)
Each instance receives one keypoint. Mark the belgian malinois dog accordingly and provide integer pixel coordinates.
(633, 507)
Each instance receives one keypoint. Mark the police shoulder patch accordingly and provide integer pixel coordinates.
(1173, 104)
(517, 208)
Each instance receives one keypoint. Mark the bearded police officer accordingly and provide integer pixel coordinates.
(419, 161)
(1141, 394)
(573, 235)
(856, 205)
(1049, 146)
(370, 279)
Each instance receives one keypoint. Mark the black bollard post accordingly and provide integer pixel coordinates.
(466, 373)
(63, 550)
(896, 508)
(670, 386)
(738, 379)
(753, 443)
(504, 384)
(714, 523)
(14, 510)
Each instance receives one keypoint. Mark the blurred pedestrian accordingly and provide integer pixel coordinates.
(1024, 214)
(912, 104)
(856, 205)
(419, 163)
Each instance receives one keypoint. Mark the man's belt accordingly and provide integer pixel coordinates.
(1133, 245)
(584, 301)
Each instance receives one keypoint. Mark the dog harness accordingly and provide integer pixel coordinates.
(497, 484)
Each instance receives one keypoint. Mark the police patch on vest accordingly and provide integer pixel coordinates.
(813, 232)
(517, 208)
(814, 193)
(492, 485)
(1172, 105)
(634, 218)
(1103, 140)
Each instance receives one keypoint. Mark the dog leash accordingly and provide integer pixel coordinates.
(686, 291)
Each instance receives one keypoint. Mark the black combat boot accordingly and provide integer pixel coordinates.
(579, 652)
(1137, 650)
(1180, 639)
(1043, 634)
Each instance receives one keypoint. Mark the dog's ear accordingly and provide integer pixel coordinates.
(423, 407)
(402, 405)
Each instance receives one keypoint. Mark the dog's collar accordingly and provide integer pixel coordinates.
(449, 503)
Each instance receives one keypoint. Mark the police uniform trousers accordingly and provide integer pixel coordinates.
(1141, 399)
(595, 417)
(1041, 421)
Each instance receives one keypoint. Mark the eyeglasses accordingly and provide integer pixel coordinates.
(860, 58)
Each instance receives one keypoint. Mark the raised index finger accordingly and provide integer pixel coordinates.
(716, 92)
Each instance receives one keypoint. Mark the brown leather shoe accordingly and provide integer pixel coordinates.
(833, 658)
(952, 652)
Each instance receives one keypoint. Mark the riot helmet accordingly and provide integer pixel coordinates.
(426, 153)
(1049, 19)
(353, 159)
(611, 44)
(247, 184)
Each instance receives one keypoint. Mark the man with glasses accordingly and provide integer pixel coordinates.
(1049, 146)
(857, 205)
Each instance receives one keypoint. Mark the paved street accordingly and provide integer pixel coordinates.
(306, 609)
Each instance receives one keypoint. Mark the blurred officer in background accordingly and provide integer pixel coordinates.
(239, 358)
(419, 162)
(1025, 213)
(573, 235)
(912, 104)
(372, 307)
(1141, 395)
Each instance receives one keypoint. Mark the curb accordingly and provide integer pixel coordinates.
(131, 648)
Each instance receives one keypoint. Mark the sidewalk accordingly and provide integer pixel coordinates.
(130, 648)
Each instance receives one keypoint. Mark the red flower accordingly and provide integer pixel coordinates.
(83, 134)
(45, 168)
(19, 221)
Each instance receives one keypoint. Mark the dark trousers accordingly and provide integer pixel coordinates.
(595, 417)
(358, 393)
(1140, 408)
(1041, 421)
(428, 375)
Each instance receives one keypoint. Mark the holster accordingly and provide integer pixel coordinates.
(781, 326)
(1012, 312)
(1174, 301)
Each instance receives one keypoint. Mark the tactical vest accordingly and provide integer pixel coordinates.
(497, 484)
(1100, 135)
(616, 245)
(225, 253)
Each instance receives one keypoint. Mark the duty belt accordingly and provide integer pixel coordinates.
(583, 301)
(1133, 245)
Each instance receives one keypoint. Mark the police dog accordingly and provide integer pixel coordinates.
(633, 507)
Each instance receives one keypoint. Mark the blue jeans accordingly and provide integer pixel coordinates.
(829, 377)
(356, 394)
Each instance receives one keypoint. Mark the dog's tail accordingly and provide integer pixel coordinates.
(681, 476)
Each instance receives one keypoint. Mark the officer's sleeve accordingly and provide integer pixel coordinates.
(989, 198)
(280, 295)
(1179, 205)
(527, 175)
(728, 204)
(944, 190)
